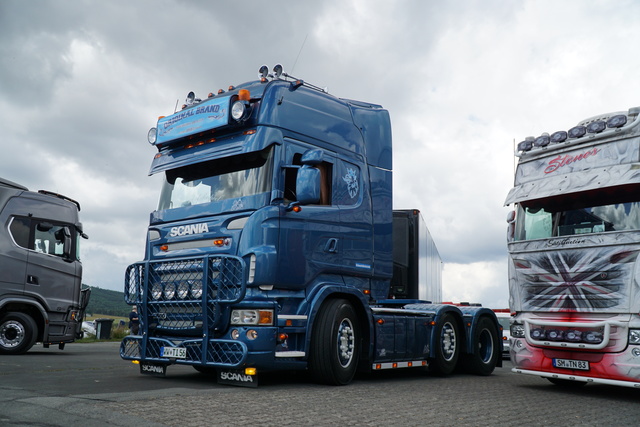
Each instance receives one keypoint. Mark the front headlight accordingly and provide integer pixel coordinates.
(252, 317)
(517, 331)
(634, 336)
(240, 110)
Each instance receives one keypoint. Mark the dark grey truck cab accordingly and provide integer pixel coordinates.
(41, 299)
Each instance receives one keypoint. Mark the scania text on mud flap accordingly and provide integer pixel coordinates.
(574, 240)
(275, 246)
(41, 295)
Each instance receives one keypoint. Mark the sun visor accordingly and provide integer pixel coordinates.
(575, 182)
(224, 147)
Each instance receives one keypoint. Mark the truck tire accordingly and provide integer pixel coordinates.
(335, 347)
(486, 350)
(447, 346)
(18, 333)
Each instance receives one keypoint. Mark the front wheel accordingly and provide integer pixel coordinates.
(18, 333)
(486, 351)
(335, 347)
(448, 347)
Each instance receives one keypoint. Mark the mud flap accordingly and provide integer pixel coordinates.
(153, 369)
(237, 378)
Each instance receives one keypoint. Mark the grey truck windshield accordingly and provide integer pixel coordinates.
(596, 212)
(217, 180)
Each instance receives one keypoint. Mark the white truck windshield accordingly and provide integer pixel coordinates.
(217, 180)
(567, 217)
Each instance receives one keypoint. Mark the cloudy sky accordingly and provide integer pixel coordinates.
(81, 82)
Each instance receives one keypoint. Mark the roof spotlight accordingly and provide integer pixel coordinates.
(190, 98)
(617, 121)
(559, 136)
(526, 145)
(263, 72)
(277, 71)
(596, 127)
(542, 141)
(577, 132)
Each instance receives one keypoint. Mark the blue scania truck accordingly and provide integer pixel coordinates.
(275, 246)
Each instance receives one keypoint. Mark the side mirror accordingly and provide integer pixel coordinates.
(308, 185)
(511, 227)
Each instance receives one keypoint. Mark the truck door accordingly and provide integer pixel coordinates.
(50, 273)
(13, 256)
(310, 241)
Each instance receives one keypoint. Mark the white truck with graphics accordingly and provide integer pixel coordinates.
(574, 240)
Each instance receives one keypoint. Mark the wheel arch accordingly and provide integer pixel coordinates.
(359, 304)
(30, 307)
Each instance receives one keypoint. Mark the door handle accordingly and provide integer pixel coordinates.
(32, 280)
(331, 246)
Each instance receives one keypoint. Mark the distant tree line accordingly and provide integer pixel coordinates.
(105, 301)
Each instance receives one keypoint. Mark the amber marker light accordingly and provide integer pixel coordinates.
(218, 242)
(282, 337)
(297, 208)
(380, 321)
(244, 95)
(378, 366)
(164, 248)
(135, 362)
(266, 317)
(250, 371)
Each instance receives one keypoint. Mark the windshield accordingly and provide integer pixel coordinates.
(217, 180)
(584, 213)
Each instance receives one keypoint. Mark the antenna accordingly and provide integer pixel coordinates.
(299, 52)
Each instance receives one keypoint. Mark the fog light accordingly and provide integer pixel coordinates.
(573, 336)
(235, 334)
(252, 334)
(593, 337)
(538, 334)
(555, 335)
(635, 351)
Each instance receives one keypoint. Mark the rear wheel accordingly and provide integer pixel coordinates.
(448, 347)
(485, 354)
(17, 333)
(335, 348)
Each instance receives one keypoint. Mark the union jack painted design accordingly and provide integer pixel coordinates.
(578, 280)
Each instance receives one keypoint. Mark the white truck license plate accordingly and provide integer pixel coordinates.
(173, 352)
(582, 365)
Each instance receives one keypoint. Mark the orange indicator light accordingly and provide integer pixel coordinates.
(244, 95)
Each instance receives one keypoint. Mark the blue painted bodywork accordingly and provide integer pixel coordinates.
(271, 256)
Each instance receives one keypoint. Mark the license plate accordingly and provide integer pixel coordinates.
(581, 365)
(173, 352)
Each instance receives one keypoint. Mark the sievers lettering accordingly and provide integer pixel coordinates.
(185, 230)
(567, 159)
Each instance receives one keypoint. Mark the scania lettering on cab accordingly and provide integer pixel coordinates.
(275, 247)
(40, 286)
(574, 240)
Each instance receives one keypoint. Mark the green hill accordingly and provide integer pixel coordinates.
(105, 301)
